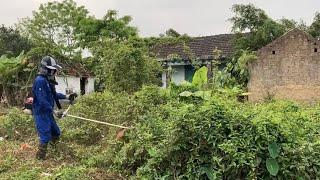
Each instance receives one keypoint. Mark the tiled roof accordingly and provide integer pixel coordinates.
(201, 47)
(75, 69)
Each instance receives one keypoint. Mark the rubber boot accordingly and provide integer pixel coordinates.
(42, 151)
(54, 141)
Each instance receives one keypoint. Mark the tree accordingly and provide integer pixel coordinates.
(314, 29)
(12, 43)
(254, 30)
(126, 66)
(172, 33)
(288, 23)
(93, 31)
(94, 35)
(54, 24)
(247, 18)
(262, 29)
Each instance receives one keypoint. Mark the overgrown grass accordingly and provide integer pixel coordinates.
(184, 136)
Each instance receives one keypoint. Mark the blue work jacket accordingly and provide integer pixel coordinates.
(43, 96)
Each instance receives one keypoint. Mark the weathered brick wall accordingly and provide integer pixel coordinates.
(288, 68)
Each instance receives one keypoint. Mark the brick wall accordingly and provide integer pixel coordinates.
(287, 68)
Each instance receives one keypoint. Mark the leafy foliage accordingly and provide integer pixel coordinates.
(235, 144)
(254, 29)
(183, 132)
(200, 77)
(128, 66)
(314, 29)
(12, 43)
(247, 17)
(109, 107)
(13, 125)
(92, 31)
(237, 70)
(197, 138)
(188, 136)
(172, 33)
(16, 75)
(53, 26)
(262, 29)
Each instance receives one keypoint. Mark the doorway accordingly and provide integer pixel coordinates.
(83, 85)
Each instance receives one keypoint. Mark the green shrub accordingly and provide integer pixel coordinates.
(116, 108)
(174, 90)
(16, 125)
(188, 137)
(151, 96)
(219, 138)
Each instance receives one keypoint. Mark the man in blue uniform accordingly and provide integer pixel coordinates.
(44, 97)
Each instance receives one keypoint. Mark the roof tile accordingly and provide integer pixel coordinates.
(201, 47)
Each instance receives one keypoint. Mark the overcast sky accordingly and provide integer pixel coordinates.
(152, 17)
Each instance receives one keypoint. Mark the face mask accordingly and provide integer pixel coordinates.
(52, 72)
(52, 79)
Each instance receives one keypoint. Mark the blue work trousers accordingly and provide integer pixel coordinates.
(47, 127)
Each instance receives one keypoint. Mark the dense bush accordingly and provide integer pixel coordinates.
(217, 138)
(126, 66)
(179, 136)
(116, 108)
(107, 107)
(186, 137)
(16, 125)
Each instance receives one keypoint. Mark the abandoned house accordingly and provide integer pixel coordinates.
(287, 68)
(75, 78)
(176, 57)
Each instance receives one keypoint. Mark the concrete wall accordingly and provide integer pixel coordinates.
(288, 68)
(164, 79)
(90, 85)
(73, 83)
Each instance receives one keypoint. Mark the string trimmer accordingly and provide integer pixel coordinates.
(65, 114)
(120, 133)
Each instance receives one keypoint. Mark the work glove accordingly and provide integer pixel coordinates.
(58, 114)
(71, 97)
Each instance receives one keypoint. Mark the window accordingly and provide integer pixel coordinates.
(315, 50)
(273, 52)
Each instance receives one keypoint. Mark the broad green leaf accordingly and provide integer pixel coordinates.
(273, 150)
(203, 94)
(272, 166)
(200, 77)
(185, 94)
